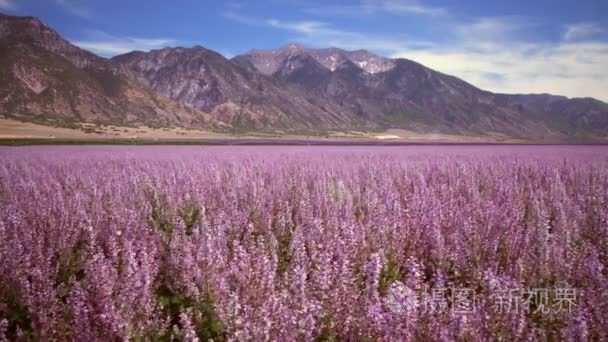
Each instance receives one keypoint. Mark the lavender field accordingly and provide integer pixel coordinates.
(304, 243)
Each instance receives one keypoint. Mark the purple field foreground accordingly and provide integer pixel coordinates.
(304, 243)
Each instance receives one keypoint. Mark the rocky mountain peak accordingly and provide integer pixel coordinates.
(269, 61)
(370, 62)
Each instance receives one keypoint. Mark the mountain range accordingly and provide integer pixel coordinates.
(46, 79)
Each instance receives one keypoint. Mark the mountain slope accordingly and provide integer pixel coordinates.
(407, 95)
(231, 90)
(46, 79)
(404, 94)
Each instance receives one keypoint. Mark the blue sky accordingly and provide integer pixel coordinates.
(517, 46)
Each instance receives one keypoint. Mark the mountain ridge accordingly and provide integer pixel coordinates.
(411, 88)
(290, 89)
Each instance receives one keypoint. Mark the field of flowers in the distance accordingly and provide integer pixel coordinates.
(304, 243)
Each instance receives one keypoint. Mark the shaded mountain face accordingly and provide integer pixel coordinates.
(48, 80)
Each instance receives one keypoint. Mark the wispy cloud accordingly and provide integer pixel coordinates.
(241, 18)
(306, 27)
(75, 8)
(493, 29)
(401, 6)
(321, 34)
(8, 5)
(581, 31)
(369, 7)
(108, 45)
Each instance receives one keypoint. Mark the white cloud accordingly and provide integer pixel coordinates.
(107, 45)
(488, 54)
(581, 31)
(8, 5)
(74, 8)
